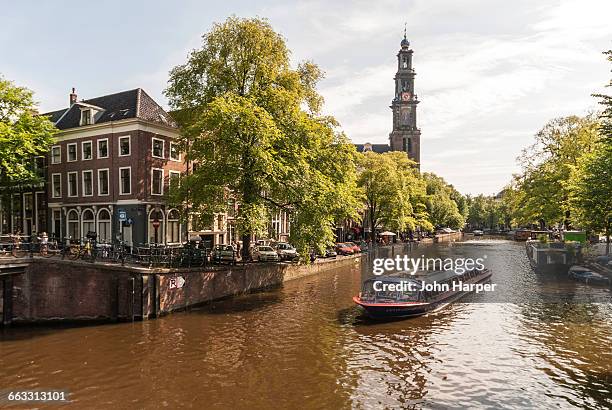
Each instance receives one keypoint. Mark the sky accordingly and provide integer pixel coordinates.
(490, 74)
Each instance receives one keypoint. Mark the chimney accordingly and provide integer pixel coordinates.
(73, 97)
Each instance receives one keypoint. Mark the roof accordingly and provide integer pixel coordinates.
(114, 107)
(378, 148)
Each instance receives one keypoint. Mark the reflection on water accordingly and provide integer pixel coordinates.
(305, 345)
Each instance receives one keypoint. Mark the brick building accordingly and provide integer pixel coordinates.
(115, 154)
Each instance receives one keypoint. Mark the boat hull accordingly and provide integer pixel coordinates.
(388, 311)
(393, 311)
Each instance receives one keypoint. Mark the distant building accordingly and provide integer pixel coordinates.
(405, 135)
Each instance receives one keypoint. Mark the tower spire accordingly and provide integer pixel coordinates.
(405, 30)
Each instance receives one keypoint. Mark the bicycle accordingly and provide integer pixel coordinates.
(86, 251)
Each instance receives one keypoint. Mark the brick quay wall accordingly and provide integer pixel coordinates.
(57, 290)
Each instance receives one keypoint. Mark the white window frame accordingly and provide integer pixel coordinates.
(53, 185)
(119, 180)
(129, 138)
(107, 182)
(83, 182)
(89, 116)
(68, 184)
(76, 152)
(105, 221)
(59, 148)
(162, 181)
(170, 153)
(83, 150)
(153, 139)
(107, 148)
(168, 220)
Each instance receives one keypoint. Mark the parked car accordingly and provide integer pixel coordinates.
(328, 253)
(445, 230)
(223, 253)
(477, 232)
(344, 249)
(285, 251)
(354, 246)
(265, 253)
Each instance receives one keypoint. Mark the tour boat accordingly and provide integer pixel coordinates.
(402, 295)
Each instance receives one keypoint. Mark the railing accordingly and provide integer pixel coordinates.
(88, 249)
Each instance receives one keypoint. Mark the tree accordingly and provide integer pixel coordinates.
(252, 124)
(23, 135)
(606, 114)
(393, 192)
(443, 210)
(547, 165)
(591, 191)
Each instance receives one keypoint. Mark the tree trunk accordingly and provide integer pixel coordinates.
(608, 240)
(372, 224)
(246, 245)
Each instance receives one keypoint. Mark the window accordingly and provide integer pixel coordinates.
(89, 224)
(158, 148)
(73, 225)
(56, 154)
(103, 182)
(88, 183)
(72, 152)
(157, 181)
(86, 150)
(103, 148)
(72, 184)
(174, 178)
(174, 152)
(85, 117)
(173, 230)
(156, 226)
(125, 181)
(104, 226)
(124, 146)
(56, 185)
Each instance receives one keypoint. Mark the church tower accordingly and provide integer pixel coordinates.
(406, 136)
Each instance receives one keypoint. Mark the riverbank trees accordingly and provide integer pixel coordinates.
(23, 135)
(393, 192)
(253, 126)
(566, 175)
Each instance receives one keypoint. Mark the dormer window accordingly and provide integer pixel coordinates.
(86, 117)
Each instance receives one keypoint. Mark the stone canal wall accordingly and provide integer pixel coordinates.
(56, 290)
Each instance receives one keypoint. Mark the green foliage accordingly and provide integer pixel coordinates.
(393, 192)
(606, 101)
(443, 210)
(541, 189)
(488, 212)
(252, 125)
(23, 135)
(590, 189)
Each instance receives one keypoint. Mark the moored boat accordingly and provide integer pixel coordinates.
(403, 295)
(551, 258)
(588, 276)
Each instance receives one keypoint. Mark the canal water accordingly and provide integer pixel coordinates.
(534, 344)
